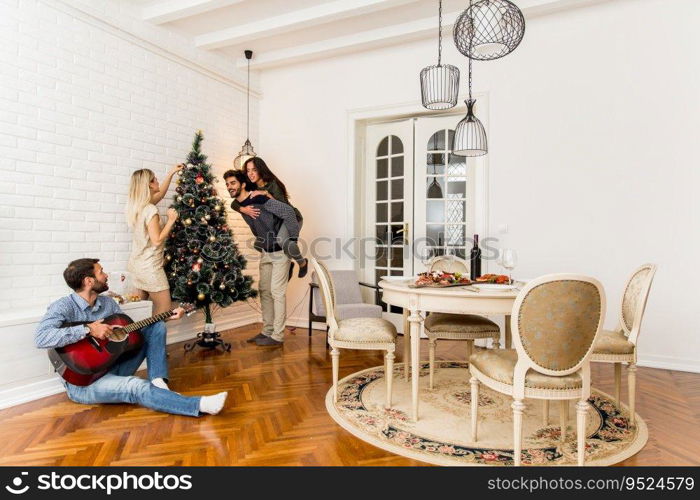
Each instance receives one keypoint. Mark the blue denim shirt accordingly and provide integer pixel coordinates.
(69, 309)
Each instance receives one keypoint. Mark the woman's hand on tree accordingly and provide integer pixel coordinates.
(172, 215)
(176, 169)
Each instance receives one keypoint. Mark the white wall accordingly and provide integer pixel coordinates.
(593, 149)
(88, 94)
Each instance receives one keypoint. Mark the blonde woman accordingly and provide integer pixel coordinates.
(146, 260)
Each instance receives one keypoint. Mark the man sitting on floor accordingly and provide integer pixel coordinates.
(87, 278)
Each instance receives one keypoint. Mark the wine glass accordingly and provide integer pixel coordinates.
(509, 259)
(426, 256)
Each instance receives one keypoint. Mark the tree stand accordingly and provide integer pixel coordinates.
(209, 338)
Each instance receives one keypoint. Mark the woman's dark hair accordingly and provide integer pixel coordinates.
(266, 174)
(241, 177)
(77, 271)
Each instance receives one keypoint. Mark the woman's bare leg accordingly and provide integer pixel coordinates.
(161, 301)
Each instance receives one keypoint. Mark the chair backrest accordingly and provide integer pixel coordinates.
(449, 265)
(325, 283)
(634, 300)
(555, 321)
(347, 290)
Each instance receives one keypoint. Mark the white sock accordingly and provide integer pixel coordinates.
(212, 404)
(160, 383)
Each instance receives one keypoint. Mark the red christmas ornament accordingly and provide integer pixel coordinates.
(196, 266)
(199, 179)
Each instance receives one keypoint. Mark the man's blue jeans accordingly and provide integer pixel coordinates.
(120, 386)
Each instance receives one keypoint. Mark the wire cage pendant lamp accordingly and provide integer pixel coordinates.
(470, 135)
(247, 152)
(439, 84)
(489, 29)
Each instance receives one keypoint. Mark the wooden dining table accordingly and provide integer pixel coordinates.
(417, 302)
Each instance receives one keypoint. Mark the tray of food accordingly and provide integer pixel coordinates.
(440, 279)
(494, 282)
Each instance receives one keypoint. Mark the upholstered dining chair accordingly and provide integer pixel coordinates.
(355, 333)
(448, 326)
(620, 345)
(556, 320)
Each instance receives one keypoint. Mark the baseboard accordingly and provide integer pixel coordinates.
(187, 329)
(30, 392)
(669, 363)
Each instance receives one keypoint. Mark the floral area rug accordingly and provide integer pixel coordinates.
(442, 434)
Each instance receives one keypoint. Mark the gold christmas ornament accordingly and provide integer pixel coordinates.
(201, 296)
(222, 287)
(179, 198)
(200, 260)
(212, 238)
(207, 217)
(218, 208)
(188, 222)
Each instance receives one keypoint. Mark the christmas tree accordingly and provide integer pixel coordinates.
(202, 261)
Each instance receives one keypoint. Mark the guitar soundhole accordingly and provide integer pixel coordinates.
(118, 335)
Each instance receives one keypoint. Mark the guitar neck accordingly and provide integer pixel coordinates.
(145, 322)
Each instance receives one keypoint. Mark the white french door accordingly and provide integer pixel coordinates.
(388, 201)
(416, 196)
(444, 192)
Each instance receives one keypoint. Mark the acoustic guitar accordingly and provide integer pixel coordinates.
(87, 360)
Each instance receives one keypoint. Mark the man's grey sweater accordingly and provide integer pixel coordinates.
(265, 227)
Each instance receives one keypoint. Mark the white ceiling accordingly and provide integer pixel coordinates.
(287, 31)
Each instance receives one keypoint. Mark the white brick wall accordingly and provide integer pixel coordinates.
(85, 101)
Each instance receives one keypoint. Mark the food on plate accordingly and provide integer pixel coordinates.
(440, 278)
(498, 279)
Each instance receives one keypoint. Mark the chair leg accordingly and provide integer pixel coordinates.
(518, 409)
(581, 409)
(563, 417)
(431, 344)
(618, 383)
(389, 374)
(497, 341)
(545, 412)
(470, 349)
(335, 355)
(632, 388)
(474, 407)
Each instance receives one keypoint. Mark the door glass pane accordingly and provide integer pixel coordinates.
(457, 166)
(383, 148)
(382, 169)
(456, 187)
(397, 212)
(382, 234)
(397, 234)
(382, 212)
(436, 188)
(397, 189)
(382, 190)
(382, 256)
(396, 145)
(455, 211)
(435, 211)
(455, 235)
(397, 166)
(437, 141)
(435, 235)
(397, 257)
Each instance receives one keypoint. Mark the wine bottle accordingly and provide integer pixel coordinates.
(475, 259)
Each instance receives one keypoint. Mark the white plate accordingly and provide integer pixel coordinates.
(492, 287)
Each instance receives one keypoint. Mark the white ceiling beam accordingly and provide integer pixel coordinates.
(168, 11)
(295, 20)
(392, 35)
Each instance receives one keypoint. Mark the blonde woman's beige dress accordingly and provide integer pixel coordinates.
(146, 261)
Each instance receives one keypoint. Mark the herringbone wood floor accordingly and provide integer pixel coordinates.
(275, 414)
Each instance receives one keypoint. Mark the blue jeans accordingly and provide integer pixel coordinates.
(120, 386)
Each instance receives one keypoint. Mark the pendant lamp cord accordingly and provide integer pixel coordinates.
(440, 33)
(248, 105)
(471, 40)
